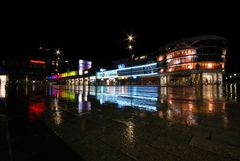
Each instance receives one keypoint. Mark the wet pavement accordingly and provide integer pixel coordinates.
(123, 123)
(30, 138)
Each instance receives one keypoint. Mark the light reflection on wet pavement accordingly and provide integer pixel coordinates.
(146, 123)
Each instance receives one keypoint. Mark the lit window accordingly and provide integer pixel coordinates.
(210, 65)
(142, 57)
(160, 58)
(136, 58)
(189, 66)
(80, 72)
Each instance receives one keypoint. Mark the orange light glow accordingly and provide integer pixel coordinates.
(37, 62)
(210, 107)
(184, 52)
(160, 58)
(190, 67)
(210, 65)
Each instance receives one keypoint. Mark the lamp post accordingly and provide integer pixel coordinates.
(130, 39)
(58, 53)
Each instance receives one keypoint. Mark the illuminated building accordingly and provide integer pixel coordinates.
(83, 65)
(22, 70)
(36, 71)
(122, 75)
(198, 60)
(193, 61)
(83, 76)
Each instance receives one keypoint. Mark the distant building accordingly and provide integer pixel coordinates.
(36, 71)
(22, 70)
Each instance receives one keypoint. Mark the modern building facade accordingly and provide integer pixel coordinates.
(194, 61)
(199, 60)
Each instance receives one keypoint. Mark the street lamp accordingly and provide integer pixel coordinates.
(58, 53)
(130, 47)
(54, 56)
(130, 39)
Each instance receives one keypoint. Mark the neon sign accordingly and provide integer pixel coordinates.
(37, 62)
(62, 75)
(183, 52)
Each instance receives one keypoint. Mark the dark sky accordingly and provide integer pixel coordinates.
(96, 31)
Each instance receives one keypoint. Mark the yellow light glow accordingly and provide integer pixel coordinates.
(130, 47)
(58, 51)
(130, 38)
(143, 57)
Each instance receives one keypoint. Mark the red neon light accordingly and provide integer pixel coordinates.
(37, 62)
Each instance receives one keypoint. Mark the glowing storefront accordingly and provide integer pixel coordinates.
(128, 75)
(194, 61)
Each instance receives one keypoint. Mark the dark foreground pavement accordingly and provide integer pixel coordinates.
(31, 140)
(182, 124)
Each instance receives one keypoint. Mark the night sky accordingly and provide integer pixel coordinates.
(96, 32)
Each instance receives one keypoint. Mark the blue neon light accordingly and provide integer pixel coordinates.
(139, 75)
(140, 66)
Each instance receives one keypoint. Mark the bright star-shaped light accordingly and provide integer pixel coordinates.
(130, 37)
(58, 52)
(130, 47)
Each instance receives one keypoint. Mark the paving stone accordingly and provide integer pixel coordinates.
(221, 149)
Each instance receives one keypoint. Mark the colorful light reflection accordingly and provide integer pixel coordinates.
(36, 108)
